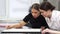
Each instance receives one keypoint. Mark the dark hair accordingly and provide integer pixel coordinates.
(46, 6)
(35, 6)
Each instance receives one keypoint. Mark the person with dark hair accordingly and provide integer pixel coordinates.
(34, 18)
(52, 17)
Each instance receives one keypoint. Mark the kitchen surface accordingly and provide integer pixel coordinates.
(13, 11)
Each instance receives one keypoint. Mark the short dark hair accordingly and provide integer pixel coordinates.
(35, 6)
(46, 6)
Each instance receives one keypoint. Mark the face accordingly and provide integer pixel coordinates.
(45, 13)
(35, 13)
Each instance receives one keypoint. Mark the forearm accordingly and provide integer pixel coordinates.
(54, 32)
(19, 25)
(16, 26)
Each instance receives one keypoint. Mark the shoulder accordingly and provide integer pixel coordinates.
(56, 11)
(56, 14)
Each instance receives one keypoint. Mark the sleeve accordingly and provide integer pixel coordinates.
(26, 19)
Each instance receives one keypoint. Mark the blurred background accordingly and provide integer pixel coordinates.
(13, 11)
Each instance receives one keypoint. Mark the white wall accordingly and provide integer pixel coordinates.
(18, 9)
(15, 9)
(2, 9)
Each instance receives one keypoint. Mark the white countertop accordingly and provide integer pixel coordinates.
(22, 30)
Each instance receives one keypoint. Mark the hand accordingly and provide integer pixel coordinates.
(42, 28)
(8, 27)
(46, 31)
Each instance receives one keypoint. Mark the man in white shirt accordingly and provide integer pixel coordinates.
(52, 17)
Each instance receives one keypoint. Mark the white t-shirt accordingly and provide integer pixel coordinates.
(54, 21)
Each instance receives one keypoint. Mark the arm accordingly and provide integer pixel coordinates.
(50, 31)
(55, 32)
(18, 25)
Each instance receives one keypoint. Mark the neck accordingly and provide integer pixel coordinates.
(50, 14)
